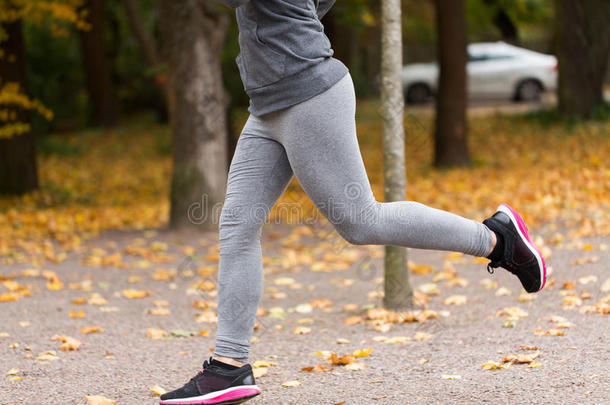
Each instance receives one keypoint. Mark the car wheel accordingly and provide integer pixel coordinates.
(528, 90)
(418, 93)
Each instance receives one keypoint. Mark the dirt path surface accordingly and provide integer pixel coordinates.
(438, 361)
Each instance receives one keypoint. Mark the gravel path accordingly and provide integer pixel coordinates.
(122, 363)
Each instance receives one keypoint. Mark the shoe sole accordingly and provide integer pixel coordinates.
(230, 396)
(522, 229)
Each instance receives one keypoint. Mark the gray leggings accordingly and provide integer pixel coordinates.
(315, 140)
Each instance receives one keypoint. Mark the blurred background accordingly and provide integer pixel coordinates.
(87, 87)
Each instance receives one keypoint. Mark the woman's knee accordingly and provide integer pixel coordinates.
(239, 221)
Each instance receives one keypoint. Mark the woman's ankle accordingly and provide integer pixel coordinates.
(228, 360)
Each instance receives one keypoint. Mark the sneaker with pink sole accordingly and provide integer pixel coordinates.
(215, 384)
(521, 257)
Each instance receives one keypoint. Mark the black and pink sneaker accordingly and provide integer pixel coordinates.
(215, 384)
(519, 256)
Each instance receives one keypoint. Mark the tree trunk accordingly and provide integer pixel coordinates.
(451, 144)
(503, 22)
(18, 172)
(398, 292)
(583, 45)
(147, 44)
(193, 37)
(98, 77)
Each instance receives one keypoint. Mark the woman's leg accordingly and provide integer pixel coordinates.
(258, 175)
(322, 148)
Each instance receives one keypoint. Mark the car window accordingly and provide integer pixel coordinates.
(479, 57)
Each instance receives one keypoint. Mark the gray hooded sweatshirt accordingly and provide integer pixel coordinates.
(285, 57)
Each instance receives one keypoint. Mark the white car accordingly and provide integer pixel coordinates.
(493, 70)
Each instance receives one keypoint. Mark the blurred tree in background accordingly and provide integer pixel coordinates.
(193, 38)
(116, 70)
(18, 170)
(450, 133)
(583, 46)
(96, 66)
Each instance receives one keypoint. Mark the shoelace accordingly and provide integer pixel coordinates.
(206, 364)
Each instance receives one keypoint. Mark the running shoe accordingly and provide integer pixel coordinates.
(521, 257)
(215, 385)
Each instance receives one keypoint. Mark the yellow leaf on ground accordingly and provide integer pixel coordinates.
(455, 300)
(69, 343)
(48, 355)
(492, 365)
(362, 352)
(420, 268)
(157, 390)
(259, 372)
(550, 332)
(451, 377)
(353, 320)
(301, 330)
(397, 340)
(587, 280)
(130, 293)
(99, 400)
(318, 368)
(521, 358)
(12, 371)
(354, 366)
(154, 333)
(291, 383)
(90, 329)
(159, 311)
(97, 299)
(74, 314)
(512, 313)
(284, 281)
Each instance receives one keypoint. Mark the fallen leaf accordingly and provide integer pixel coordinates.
(99, 400)
(48, 355)
(157, 390)
(512, 313)
(69, 343)
(492, 365)
(455, 300)
(362, 352)
(74, 314)
(153, 333)
(12, 371)
(131, 294)
(354, 366)
(419, 336)
(90, 329)
(451, 377)
(587, 279)
(259, 372)
(397, 340)
(291, 383)
(301, 330)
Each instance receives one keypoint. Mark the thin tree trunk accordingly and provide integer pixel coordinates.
(18, 172)
(145, 40)
(450, 136)
(583, 45)
(193, 36)
(98, 78)
(503, 22)
(398, 292)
